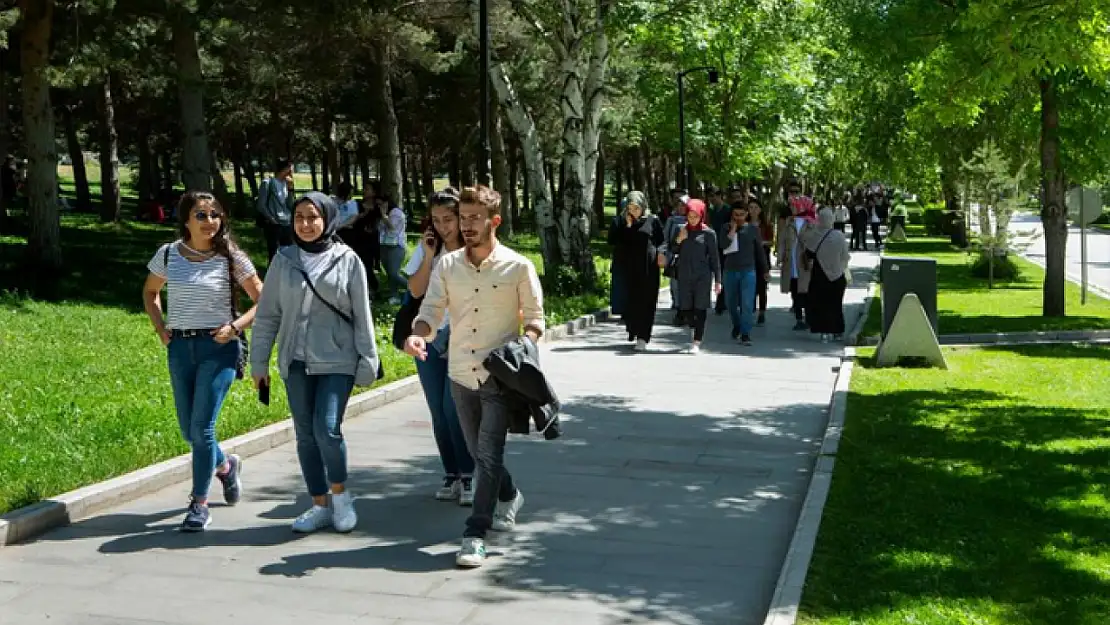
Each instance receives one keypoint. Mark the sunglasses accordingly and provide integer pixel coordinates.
(213, 215)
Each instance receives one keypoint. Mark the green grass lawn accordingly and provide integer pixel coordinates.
(84, 391)
(974, 496)
(965, 304)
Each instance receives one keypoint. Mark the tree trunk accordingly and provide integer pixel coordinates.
(331, 158)
(1053, 210)
(312, 171)
(169, 180)
(525, 128)
(599, 193)
(363, 155)
(196, 157)
(406, 190)
(5, 135)
(527, 191)
(499, 167)
(618, 174)
(325, 171)
(109, 155)
(454, 168)
(77, 158)
(147, 166)
(345, 165)
(240, 198)
(385, 121)
(426, 174)
(44, 250)
(514, 199)
(418, 192)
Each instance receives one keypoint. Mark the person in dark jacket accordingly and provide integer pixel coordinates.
(699, 270)
(637, 240)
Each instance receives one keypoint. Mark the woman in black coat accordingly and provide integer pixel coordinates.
(637, 240)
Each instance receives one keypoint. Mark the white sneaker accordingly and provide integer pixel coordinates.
(343, 515)
(466, 492)
(504, 516)
(472, 553)
(315, 518)
(641, 345)
(693, 349)
(450, 489)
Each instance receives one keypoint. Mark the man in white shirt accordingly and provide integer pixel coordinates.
(490, 291)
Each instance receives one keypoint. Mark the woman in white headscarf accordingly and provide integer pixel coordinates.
(637, 240)
(826, 251)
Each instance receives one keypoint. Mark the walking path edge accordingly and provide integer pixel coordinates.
(28, 522)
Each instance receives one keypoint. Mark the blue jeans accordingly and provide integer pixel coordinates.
(201, 372)
(318, 403)
(393, 257)
(740, 298)
(445, 418)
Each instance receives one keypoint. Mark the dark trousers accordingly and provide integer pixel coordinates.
(484, 416)
(859, 236)
(276, 236)
(696, 319)
(875, 234)
(722, 301)
(761, 285)
(797, 300)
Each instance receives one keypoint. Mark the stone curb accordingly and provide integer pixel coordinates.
(25, 523)
(1014, 338)
(791, 582)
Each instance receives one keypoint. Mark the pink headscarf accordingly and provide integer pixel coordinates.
(695, 206)
(804, 207)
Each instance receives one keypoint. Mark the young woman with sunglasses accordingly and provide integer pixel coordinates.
(202, 272)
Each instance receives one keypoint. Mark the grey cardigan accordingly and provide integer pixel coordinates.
(331, 344)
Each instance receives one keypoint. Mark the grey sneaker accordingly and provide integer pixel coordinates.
(450, 489)
(197, 518)
(315, 518)
(343, 515)
(466, 492)
(233, 481)
(504, 516)
(472, 553)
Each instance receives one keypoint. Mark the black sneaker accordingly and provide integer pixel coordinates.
(233, 480)
(735, 333)
(801, 325)
(762, 319)
(746, 340)
(196, 518)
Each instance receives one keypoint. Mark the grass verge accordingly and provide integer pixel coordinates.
(84, 391)
(970, 496)
(965, 305)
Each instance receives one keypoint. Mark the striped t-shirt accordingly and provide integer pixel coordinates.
(199, 293)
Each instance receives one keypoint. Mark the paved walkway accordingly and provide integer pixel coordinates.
(671, 499)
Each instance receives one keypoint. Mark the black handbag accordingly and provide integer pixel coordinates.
(402, 325)
(342, 315)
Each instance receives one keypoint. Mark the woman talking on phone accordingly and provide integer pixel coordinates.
(442, 236)
(317, 309)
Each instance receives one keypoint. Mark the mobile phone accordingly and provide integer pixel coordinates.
(264, 394)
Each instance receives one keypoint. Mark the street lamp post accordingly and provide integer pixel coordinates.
(484, 121)
(683, 177)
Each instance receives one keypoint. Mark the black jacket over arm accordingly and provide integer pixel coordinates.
(516, 368)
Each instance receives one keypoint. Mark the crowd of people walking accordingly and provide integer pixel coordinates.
(471, 315)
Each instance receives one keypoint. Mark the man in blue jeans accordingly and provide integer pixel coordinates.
(742, 246)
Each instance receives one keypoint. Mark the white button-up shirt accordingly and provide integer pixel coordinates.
(484, 303)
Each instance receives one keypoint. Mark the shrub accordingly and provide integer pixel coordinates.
(935, 221)
(1004, 267)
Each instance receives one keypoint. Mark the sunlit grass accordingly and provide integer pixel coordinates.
(980, 494)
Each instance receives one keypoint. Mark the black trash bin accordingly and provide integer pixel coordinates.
(902, 275)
